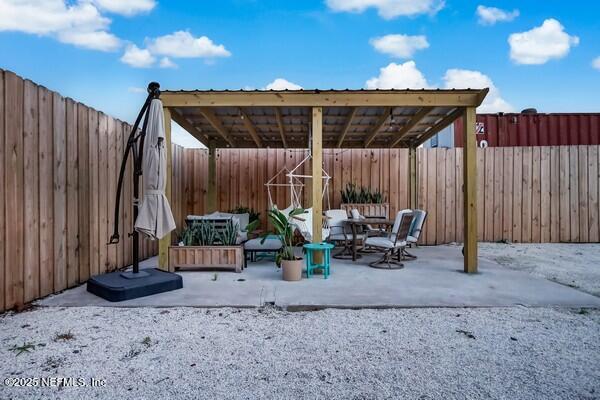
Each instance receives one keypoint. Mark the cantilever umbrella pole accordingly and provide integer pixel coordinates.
(153, 92)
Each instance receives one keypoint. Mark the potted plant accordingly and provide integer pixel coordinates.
(286, 259)
(368, 202)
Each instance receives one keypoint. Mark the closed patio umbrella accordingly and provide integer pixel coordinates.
(155, 218)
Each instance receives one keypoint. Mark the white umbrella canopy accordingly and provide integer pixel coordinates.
(155, 218)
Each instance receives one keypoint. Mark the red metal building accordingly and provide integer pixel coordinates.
(534, 129)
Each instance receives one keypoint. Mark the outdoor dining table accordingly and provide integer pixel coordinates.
(355, 223)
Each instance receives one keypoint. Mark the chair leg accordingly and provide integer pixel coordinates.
(345, 253)
(407, 254)
(387, 261)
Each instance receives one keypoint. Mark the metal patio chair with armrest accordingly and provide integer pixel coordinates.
(415, 230)
(365, 230)
(339, 232)
(394, 244)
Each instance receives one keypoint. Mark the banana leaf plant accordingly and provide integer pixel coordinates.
(284, 230)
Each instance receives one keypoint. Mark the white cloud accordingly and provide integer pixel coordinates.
(166, 62)
(408, 76)
(596, 63)
(78, 23)
(388, 9)
(125, 7)
(466, 79)
(138, 58)
(398, 76)
(182, 44)
(282, 84)
(401, 46)
(97, 40)
(541, 44)
(179, 44)
(491, 15)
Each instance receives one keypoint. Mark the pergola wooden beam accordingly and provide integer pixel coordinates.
(317, 174)
(217, 125)
(281, 126)
(422, 113)
(313, 98)
(470, 191)
(250, 128)
(447, 120)
(346, 126)
(377, 127)
(165, 242)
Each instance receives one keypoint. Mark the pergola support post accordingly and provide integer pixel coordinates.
(165, 242)
(412, 167)
(317, 176)
(470, 190)
(211, 193)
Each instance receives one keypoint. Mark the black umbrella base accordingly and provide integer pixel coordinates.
(120, 286)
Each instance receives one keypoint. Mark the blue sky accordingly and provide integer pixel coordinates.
(101, 52)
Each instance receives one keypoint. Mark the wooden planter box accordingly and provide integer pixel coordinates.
(369, 210)
(206, 257)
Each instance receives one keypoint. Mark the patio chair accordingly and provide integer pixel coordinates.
(415, 231)
(339, 232)
(392, 245)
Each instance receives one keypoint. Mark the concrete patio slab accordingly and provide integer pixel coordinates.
(435, 279)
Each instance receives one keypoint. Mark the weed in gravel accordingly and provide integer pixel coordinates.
(215, 276)
(147, 341)
(466, 333)
(64, 336)
(583, 311)
(27, 347)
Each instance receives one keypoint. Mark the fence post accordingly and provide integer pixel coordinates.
(412, 167)
(211, 192)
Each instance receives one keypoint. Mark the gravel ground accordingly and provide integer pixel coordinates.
(149, 353)
(575, 265)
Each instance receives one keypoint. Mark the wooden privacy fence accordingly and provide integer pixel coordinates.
(525, 194)
(60, 162)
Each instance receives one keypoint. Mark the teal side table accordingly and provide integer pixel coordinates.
(310, 264)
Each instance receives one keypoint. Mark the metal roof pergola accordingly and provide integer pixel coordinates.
(318, 119)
